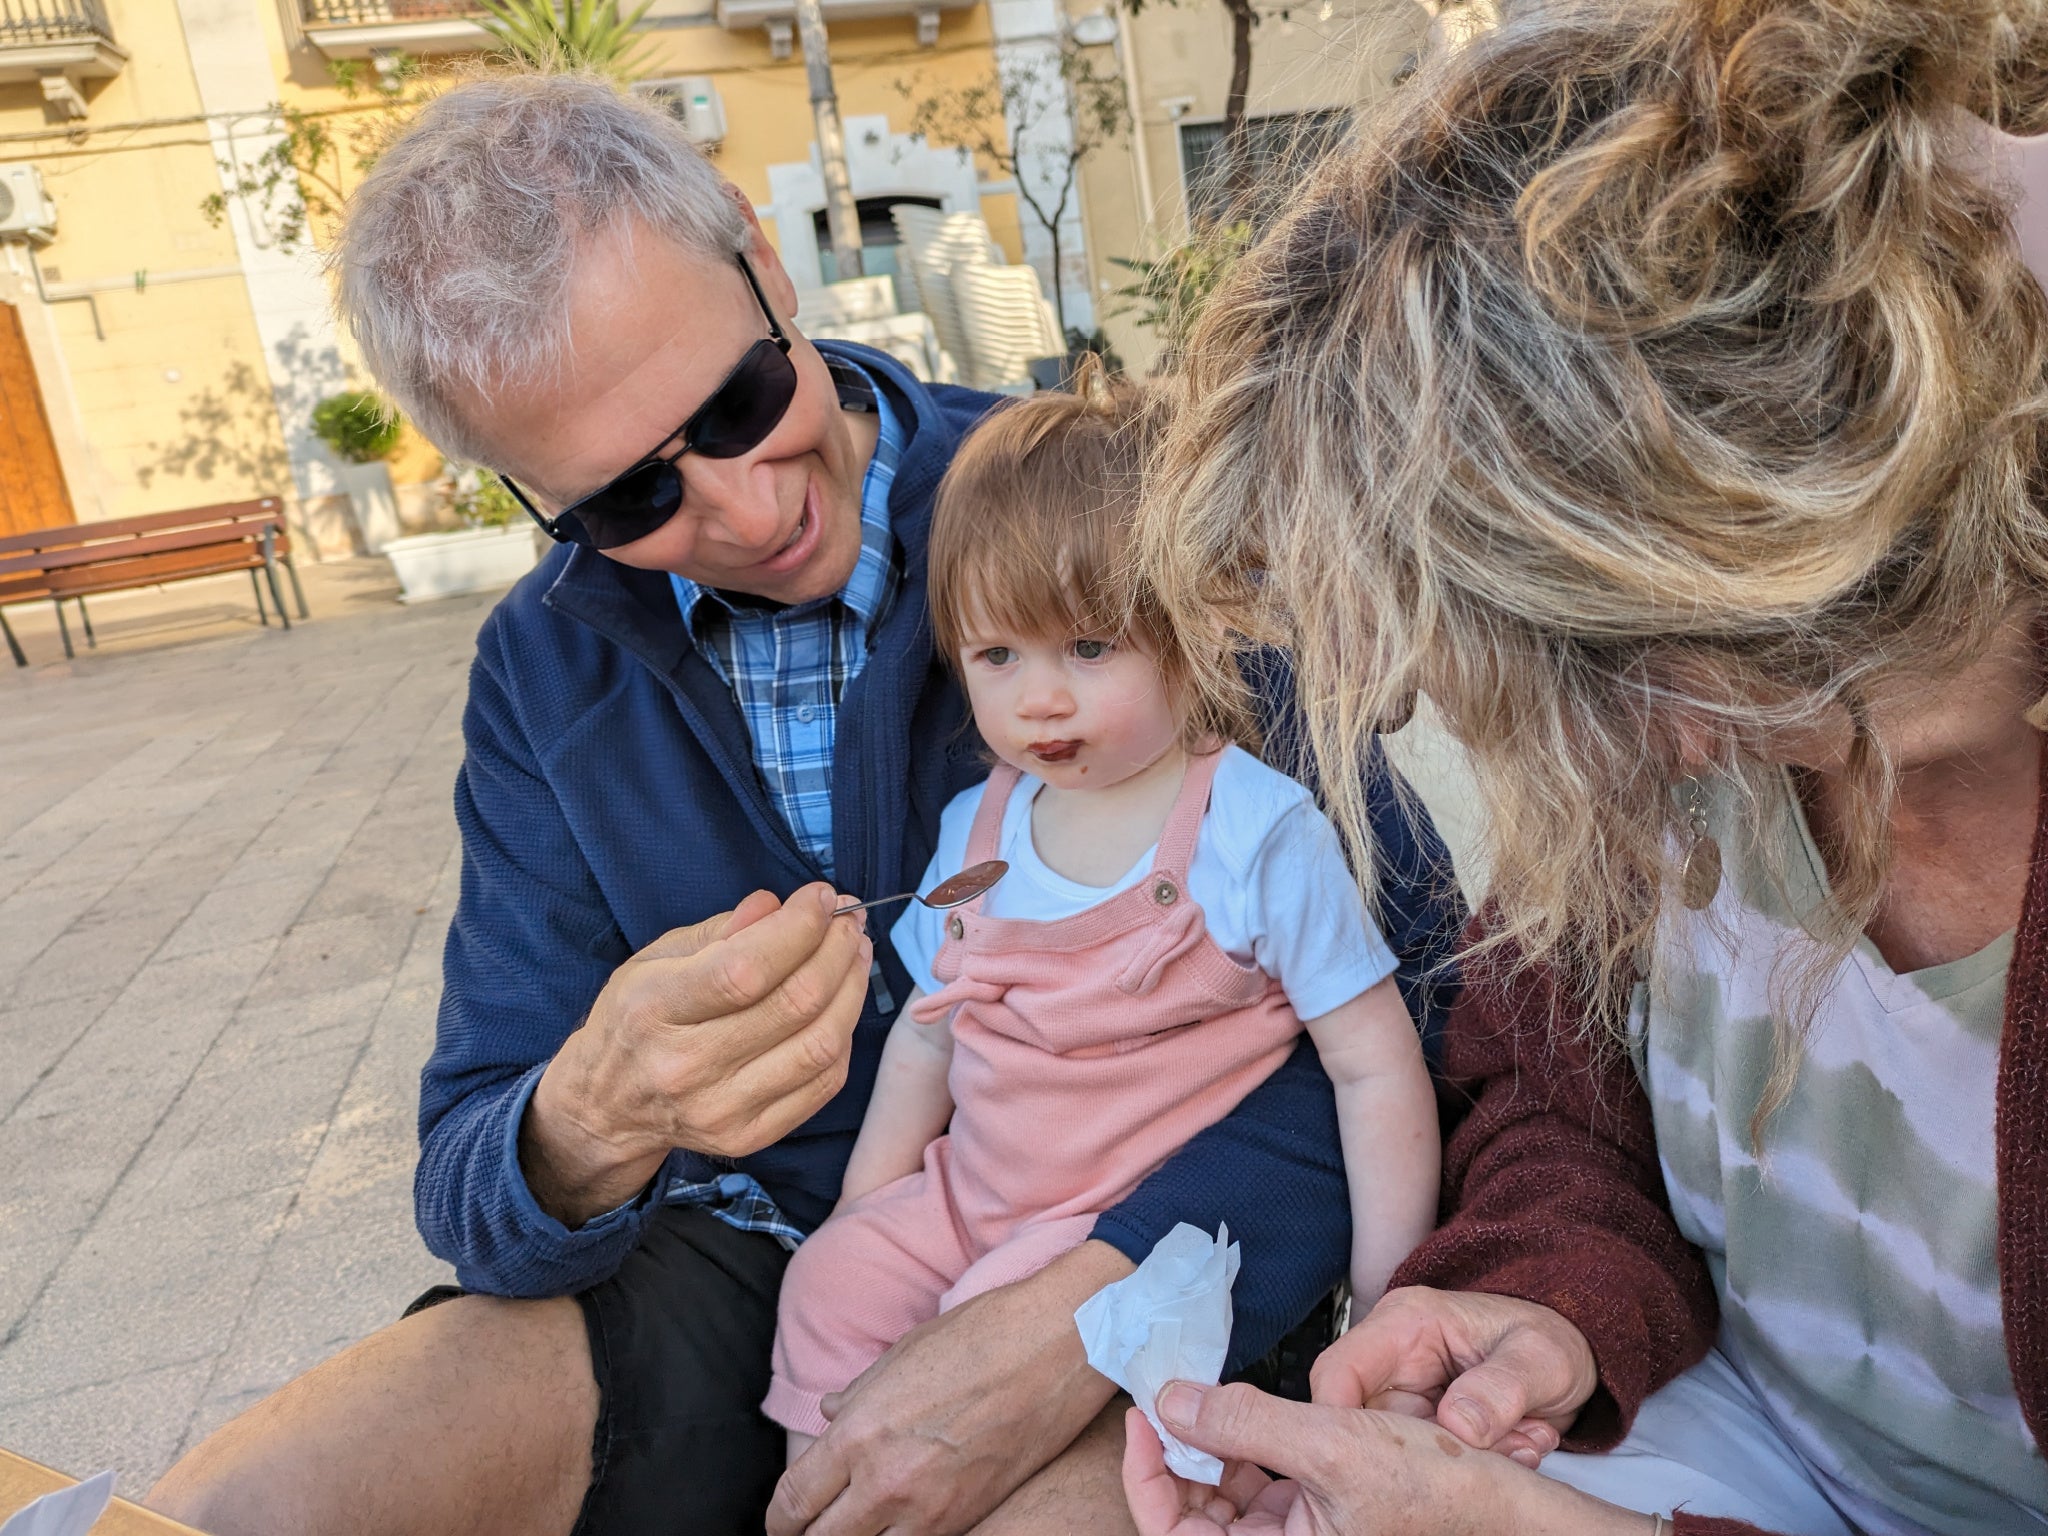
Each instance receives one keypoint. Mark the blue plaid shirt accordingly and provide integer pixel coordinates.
(787, 669)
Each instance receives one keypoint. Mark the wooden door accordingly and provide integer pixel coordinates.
(32, 493)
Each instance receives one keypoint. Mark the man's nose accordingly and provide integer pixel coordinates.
(731, 501)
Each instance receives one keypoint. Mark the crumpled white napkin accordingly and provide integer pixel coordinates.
(1169, 1320)
(67, 1512)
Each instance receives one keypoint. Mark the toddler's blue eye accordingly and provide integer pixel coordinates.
(996, 655)
(1091, 650)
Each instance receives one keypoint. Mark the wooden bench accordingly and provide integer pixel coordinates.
(82, 559)
(23, 1481)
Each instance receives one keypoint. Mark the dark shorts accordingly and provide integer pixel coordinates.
(680, 1340)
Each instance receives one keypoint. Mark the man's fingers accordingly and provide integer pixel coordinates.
(799, 1075)
(681, 943)
(747, 963)
(1239, 1423)
(749, 912)
(808, 1486)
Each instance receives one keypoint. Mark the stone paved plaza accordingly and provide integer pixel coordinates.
(227, 861)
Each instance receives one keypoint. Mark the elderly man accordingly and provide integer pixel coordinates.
(711, 711)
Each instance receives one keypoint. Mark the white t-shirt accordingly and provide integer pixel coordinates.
(1268, 873)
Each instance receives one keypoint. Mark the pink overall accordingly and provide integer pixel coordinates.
(1086, 1051)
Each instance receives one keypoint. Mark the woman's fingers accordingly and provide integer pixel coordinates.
(1153, 1493)
(1238, 1422)
(1495, 1397)
(1414, 1405)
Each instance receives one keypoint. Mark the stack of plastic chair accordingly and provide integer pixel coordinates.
(858, 298)
(1007, 321)
(933, 247)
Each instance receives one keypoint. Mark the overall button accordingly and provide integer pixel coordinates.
(1165, 894)
(955, 927)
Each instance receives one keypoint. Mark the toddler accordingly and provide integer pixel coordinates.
(1174, 914)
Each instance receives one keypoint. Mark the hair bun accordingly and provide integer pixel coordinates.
(1986, 57)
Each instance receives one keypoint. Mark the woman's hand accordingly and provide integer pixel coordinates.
(1499, 1373)
(1347, 1472)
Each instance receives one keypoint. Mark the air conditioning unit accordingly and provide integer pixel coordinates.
(26, 212)
(693, 101)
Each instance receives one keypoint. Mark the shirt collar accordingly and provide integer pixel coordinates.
(873, 582)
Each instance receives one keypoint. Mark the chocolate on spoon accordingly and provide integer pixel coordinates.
(954, 891)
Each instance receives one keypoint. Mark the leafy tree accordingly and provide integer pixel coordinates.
(1169, 291)
(360, 427)
(1015, 118)
(556, 35)
(299, 178)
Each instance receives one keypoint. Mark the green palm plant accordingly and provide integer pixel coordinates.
(556, 35)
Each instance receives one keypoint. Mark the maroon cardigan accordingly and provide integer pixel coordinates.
(1553, 1192)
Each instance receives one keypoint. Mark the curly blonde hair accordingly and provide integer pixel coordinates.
(1644, 362)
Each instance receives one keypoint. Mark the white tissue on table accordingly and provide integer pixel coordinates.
(67, 1512)
(1168, 1320)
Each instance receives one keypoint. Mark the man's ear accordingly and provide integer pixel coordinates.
(765, 259)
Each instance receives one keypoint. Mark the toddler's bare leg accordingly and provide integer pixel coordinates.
(798, 1443)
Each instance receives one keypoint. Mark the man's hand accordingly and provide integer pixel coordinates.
(717, 1038)
(1499, 1373)
(958, 1415)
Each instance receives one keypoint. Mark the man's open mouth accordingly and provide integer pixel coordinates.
(803, 523)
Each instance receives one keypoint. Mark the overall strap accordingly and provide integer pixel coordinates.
(1184, 821)
(984, 838)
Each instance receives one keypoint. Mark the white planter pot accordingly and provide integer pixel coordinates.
(474, 560)
(374, 504)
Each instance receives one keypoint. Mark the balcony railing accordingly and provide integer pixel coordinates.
(357, 13)
(25, 22)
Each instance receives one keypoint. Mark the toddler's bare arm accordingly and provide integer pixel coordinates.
(910, 1107)
(1386, 1116)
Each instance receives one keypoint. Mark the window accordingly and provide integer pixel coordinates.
(877, 240)
(1281, 150)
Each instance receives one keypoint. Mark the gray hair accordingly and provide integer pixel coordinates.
(455, 261)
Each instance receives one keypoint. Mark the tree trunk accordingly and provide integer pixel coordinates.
(842, 215)
(1236, 167)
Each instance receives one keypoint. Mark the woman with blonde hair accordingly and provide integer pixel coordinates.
(1658, 387)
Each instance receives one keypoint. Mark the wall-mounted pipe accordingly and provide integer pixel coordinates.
(138, 282)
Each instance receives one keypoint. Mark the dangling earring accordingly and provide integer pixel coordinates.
(1699, 877)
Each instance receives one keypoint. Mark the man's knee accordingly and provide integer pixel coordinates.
(477, 1415)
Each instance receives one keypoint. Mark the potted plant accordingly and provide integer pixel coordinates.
(362, 430)
(495, 548)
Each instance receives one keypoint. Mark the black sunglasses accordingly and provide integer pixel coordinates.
(747, 405)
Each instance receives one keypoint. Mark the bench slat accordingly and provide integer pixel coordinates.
(264, 508)
(130, 548)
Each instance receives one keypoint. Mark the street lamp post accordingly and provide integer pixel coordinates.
(842, 216)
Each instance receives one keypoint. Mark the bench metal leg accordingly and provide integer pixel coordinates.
(256, 586)
(298, 592)
(92, 641)
(270, 570)
(64, 630)
(13, 645)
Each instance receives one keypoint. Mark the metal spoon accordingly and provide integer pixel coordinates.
(956, 891)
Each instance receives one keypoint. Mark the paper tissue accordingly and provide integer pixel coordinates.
(1169, 1320)
(68, 1512)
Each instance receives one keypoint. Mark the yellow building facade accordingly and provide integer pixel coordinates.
(178, 358)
